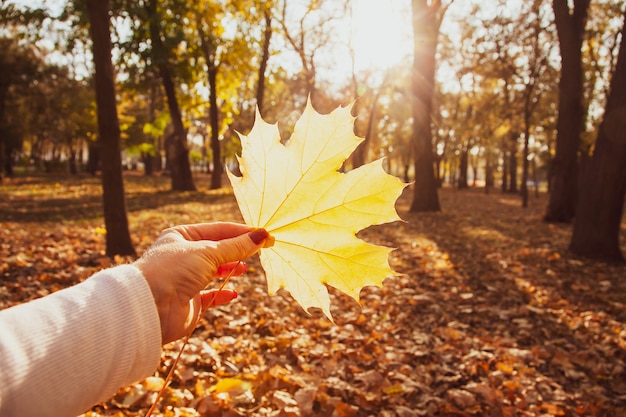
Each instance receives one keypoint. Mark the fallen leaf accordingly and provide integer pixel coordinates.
(234, 387)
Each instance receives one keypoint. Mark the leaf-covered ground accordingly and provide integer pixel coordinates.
(492, 316)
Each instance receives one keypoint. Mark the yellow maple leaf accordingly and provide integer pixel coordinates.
(313, 212)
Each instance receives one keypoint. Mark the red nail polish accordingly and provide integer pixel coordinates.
(235, 294)
(258, 235)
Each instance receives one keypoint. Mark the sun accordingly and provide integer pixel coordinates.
(378, 32)
(381, 33)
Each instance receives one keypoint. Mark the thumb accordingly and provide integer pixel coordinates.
(240, 247)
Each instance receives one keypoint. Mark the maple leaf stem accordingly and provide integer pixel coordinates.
(170, 374)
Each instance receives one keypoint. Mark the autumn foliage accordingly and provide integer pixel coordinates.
(492, 316)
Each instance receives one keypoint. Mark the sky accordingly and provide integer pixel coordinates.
(382, 35)
(380, 32)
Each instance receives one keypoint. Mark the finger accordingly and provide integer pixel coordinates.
(239, 247)
(211, 231)
(231, 268)
(214, 298)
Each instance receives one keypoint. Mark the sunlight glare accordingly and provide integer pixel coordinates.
(381, 33)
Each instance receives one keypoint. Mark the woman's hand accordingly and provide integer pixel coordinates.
(182, 262)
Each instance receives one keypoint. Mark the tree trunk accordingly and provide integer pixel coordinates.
(524, 186)
(505, 170)
(118, 240)
(534, 174)
(2, 157)
(570, 122)
(463, 167)
(209, 49)
(438, 173)
(426, 22)
(601, 204)
(260, 91)
(149, 159)
(216, 146)
(176, 150)
(72, 162)
(474, 173)
(525, 151)
(489, 179)
(4, 87)
(513, 165)
(148, 163)
(8, 161)
(93, 158)
(359, 156)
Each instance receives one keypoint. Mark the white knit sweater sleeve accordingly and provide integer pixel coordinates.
(65, 352)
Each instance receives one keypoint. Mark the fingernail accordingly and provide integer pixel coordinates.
(258, 235)
(235, 294)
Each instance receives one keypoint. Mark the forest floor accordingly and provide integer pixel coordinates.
(492, 316)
